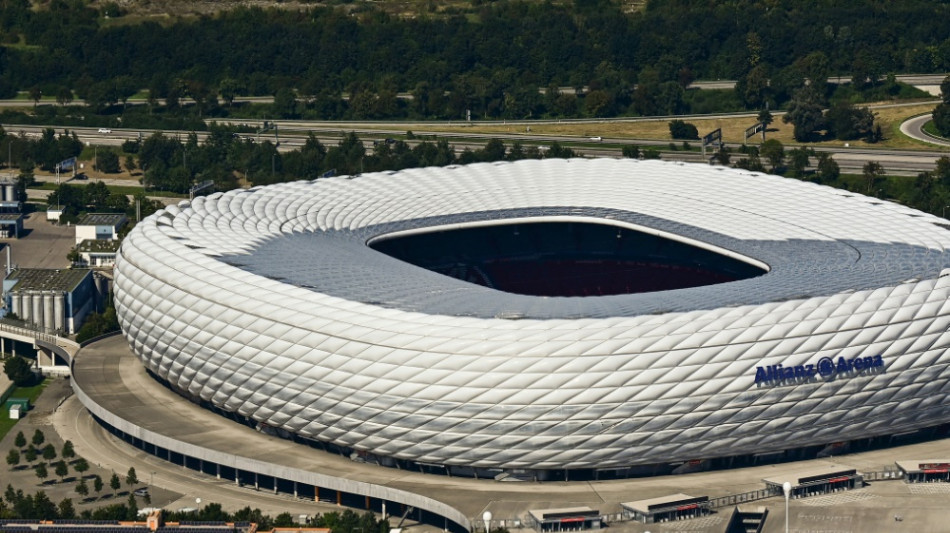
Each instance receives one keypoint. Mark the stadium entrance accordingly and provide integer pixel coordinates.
(565, 259)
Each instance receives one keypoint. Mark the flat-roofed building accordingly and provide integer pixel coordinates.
(55, 300)
(667, 508)
(565, 519)
(97, 253)
(925, 470)
(817, 481)
(100, 226)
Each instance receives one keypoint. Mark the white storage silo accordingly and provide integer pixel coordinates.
(59, 312)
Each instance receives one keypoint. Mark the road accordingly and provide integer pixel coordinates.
(914, 128)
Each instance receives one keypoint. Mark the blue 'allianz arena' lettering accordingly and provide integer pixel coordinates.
(826, 368)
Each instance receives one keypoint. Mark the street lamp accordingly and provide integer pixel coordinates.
(787, 489)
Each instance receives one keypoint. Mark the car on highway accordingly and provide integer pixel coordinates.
(597, 139)
(81, 176)
(105, 130)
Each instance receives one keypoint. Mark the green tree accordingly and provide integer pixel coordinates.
(873, 174)
(97, 484)
(82, 489)
(828, 169)
(108, 162)
(284, 520)
(285, 103)
(19, 371)
(36, 94)
(41, 472)
(49, 453)
(683, 130)
(68, 452)
(941, 118)
(114, 483)
(805, 114)
(38, 438)
(62, 470)
(798, 160)
(847, 122)
(66, 509)
(30, 454)
(774, 152)
(20, 440)
(130, 478)
(64, 96)
(133, 507)
(81, 466)
(630, 151)
(13, 458)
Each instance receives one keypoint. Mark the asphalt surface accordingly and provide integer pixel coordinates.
(107, 371)
(914, 128)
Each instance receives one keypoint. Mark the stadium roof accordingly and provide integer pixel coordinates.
(815, 241)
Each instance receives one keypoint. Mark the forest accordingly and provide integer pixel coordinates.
(588, 58)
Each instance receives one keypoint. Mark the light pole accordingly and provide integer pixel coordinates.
(787, 489)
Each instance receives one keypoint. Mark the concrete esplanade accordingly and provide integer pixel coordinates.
(114, 386)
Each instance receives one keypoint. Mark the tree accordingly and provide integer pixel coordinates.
(941, 118)
(81, 466)
(805, 113)
(130, 478)
(765, 117)
(20, 440)
(828, 169)
(873, 174)
(41, 472)
(64, 96)
(798, 160)
(114, 483)
(30, 454)
(62, 470)
(68, 452)
(774, 152)
(133, 507)
(66, 509)
(97, 484)
(49, 453)
(38, 438)
(847, 122)
(683, 130)
(630, 151)
(19, 371)
(82, 489)
(35, 94)
(13, 458)
(108, 162)
(285, 103)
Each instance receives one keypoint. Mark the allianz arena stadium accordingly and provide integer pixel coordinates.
(547, 315)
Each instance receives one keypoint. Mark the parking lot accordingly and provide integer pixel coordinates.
(42, 245)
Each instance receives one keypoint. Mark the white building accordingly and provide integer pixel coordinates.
(272, 304)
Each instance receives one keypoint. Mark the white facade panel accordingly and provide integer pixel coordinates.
(268, 302)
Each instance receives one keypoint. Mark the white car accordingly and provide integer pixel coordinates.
(105, 130)
(597, 139)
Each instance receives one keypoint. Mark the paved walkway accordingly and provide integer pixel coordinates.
(108, 371)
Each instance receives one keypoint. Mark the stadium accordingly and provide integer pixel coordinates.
(547, 316)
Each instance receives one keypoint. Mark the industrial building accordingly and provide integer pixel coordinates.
(11, 210)
(53, 300)
(820, 316)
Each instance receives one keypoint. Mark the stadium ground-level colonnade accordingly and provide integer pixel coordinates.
(106, 371)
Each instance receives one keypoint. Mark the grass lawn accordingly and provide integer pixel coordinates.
(733, 129)
(20, 392)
